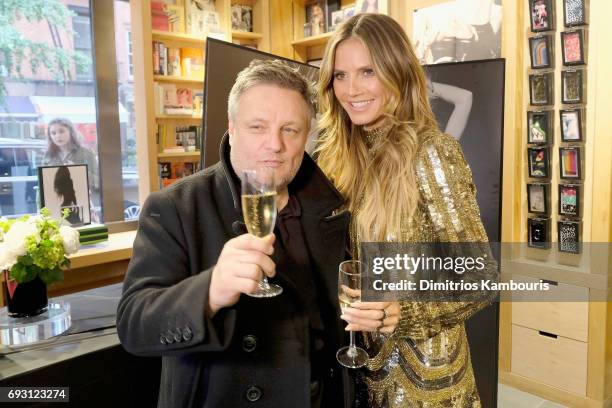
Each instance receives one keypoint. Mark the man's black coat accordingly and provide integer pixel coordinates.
(256, 353)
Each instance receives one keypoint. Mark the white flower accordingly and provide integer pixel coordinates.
(70, 238)
(15, 238)
(7, 257)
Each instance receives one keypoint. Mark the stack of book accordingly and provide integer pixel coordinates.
(93, 233)
(169, 172)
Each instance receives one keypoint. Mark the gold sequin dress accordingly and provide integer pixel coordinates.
(426, 362)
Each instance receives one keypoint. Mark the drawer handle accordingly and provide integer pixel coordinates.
(552, 283)
(543, 333)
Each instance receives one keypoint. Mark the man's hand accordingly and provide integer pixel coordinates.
(240, 267)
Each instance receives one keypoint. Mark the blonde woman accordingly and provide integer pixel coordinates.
(404, 181)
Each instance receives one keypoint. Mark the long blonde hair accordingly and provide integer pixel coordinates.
(383, 186)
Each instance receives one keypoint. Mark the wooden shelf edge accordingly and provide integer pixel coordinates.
(178, 154)
(168, 35)
(171, 78)
(178, 116)
(118, 247)
(320, 39)
(246, 35)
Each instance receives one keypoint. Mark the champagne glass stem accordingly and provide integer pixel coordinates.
(352, 350)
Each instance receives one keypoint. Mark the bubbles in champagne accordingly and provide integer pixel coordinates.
(259, 211)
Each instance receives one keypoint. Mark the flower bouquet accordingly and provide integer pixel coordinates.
(33, 254)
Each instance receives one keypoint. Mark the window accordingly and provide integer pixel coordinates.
(129, 55)
(81, 27)
(71, 87)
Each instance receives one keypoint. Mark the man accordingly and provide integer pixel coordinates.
(192, 264)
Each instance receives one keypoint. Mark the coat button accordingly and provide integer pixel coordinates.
(315, 387)
(187, 333)
(178, 335)
(162, 339)
(249, 343)
(253, 393)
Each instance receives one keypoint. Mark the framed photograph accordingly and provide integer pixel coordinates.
(572, 47)
(542, 15)
(539, 127)
(572, 86)
(540, 89)
(568, 236)
(574, 12)
(538, 198)
(538, 162)
(337, 17)
(569, 200)
(316, 12)
(538, 233)
(569, 163)
(571, 125)
(366, 6)
(66, 187)
(540, 49)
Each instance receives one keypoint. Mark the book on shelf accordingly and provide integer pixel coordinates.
(186, 139)
(192, 63)
(201, 17)
(242, 17)
(170, 172)
(173, 100)
(166, 16)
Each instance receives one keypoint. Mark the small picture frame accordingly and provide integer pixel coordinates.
(538, 233)
(569, 200)
(542, 15)
(572, 86)
(538, 201)
(570, 164)
(540, 89)
(540, 50)
(316, 16)
(572, 47)
(571, 125)
(574, 12)
(568, 236)
(367, 6)
(538, 162)
(539, 127)
(66, 187)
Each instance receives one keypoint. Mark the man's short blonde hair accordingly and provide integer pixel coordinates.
(270, 72)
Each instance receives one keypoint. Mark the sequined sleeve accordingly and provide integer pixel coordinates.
(449, 198)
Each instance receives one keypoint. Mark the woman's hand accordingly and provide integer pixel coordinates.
(372, 316)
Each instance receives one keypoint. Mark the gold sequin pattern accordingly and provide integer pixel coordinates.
(426, 363)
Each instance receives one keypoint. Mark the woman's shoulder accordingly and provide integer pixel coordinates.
(439, 143)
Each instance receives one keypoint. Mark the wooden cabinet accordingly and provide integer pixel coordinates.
(550, 359)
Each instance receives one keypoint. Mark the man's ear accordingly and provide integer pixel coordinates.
(230, 129)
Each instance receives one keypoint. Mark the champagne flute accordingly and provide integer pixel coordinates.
(259, 211)
(349, 291)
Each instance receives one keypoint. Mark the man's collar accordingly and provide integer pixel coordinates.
(315, 192)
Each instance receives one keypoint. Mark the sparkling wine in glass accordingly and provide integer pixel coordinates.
(259, 211)
(349, 291)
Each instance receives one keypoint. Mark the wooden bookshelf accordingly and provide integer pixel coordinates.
(147, 120)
